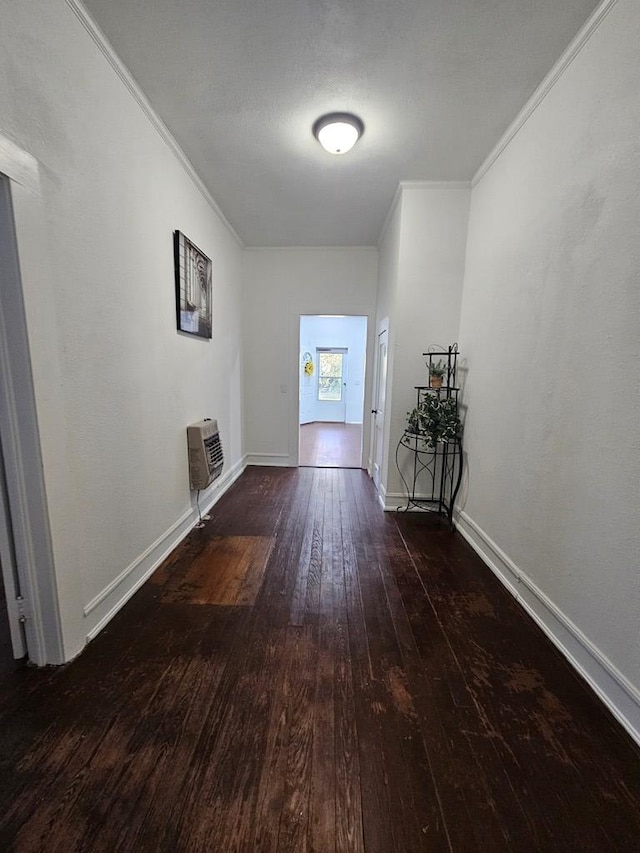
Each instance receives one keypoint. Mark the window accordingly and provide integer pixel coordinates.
(330, 384)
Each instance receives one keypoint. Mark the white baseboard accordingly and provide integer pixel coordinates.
(382, 496)
(611, 686)
(116, 594)
(393, 501)
(278, 460)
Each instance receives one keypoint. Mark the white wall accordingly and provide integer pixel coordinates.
(550, 329)
(348, 333)
(428, 237)
(280, 286)
(115, 383)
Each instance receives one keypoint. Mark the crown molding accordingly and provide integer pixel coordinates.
(435, 185)
(138, 95)
(293, 249)
(546, 86)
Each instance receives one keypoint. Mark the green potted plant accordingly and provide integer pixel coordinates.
(434, 419)
(413, 422)
(437, 370)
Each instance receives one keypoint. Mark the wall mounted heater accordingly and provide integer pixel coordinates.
(205, 453)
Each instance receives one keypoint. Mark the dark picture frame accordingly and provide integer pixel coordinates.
(194, 297)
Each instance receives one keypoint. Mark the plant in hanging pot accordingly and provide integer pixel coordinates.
(437, 370)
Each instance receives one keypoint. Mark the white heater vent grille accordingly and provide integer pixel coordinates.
(206, 458)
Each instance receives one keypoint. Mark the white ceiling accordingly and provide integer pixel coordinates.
(240, 82)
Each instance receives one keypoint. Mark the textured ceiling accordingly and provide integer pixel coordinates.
(240, 82)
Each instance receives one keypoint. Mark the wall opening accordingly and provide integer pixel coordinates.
(332, 384)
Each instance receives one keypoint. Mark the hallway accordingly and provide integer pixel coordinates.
(310, 673)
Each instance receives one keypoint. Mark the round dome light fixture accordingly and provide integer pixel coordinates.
(338, 132)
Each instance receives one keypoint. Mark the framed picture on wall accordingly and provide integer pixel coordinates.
(193, 287)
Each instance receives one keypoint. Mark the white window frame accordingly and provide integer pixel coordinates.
(341, 351)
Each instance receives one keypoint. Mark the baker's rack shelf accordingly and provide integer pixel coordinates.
(434, 473)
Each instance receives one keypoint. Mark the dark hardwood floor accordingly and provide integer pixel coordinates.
(307, 673)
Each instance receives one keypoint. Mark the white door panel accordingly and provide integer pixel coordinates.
(379, 405)
(9, 571)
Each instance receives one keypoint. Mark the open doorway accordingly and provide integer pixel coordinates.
(332, 383)
(26, 556)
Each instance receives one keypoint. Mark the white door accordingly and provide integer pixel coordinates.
(379, 404)
(11, 286)
(26, 552)
(331, 402)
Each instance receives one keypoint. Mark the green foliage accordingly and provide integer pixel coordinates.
(435, 419)
(330, 376)
(330, 363)
(437, 368)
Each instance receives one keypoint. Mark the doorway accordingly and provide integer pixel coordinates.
(26, 554)
(332, 383)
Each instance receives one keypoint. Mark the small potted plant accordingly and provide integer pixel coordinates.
(437, 370)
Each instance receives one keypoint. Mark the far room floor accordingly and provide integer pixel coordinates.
(331, 445)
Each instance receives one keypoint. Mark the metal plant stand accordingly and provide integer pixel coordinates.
(435, 471)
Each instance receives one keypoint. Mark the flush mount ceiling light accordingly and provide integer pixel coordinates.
(338, 132)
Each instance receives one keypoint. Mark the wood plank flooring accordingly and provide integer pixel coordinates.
(331, 445)
(307, 673)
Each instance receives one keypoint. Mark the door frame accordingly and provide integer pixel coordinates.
(383, 328)
(27, 512)
(295, 348)
(8, 565)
